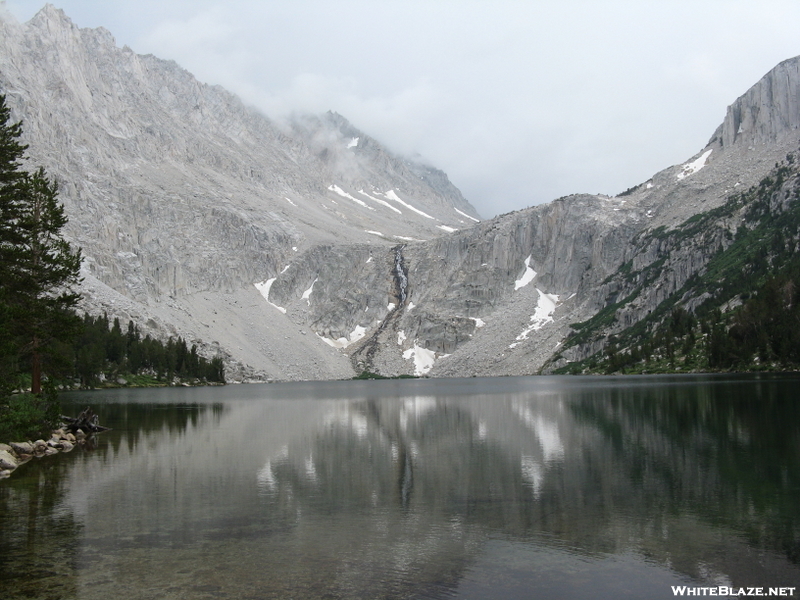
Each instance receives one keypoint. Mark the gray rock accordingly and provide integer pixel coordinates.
(22, 447)
(767, 111)
(7, 461)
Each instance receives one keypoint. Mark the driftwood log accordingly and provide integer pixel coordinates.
(87, 422)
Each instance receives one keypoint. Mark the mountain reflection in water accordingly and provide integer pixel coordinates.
(513, 488)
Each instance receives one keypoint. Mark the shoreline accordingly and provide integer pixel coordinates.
(16, 454)
(141, 381)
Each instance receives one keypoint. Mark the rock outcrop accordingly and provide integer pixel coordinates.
(767, 112)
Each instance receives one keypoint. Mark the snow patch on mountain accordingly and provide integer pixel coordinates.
(392, 196)
(694, 166)
(422, 357)
(383, 202)
(263, 287)
(307, 294)
(463, 214)
(545, 308)
(343, 342)
(336, 189)
(527, 276)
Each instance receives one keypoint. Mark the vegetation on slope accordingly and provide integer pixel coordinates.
(739, 312)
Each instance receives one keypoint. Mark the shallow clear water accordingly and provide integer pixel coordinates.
(549, 487)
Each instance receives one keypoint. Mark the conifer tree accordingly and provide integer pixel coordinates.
(46, 275)
(11, 175)
(39, 269)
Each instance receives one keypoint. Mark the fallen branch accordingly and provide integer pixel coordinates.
(87, 422)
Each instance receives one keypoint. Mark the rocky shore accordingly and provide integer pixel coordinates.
(74, 431)
(14, 454)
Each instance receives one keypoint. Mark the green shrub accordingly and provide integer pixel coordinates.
(28, 416)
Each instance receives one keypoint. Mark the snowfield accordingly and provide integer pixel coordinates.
(545, 308)
(527, 276)
(694, 166)
(422, 357)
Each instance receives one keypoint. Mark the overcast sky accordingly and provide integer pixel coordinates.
(519, 102)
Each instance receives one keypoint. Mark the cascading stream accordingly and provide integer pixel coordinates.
(362, 357)
(400, 274)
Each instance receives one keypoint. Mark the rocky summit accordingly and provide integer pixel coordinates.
(305, 249)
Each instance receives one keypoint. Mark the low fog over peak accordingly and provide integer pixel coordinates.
(519, 103)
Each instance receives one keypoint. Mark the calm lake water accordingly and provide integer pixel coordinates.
(512, 488)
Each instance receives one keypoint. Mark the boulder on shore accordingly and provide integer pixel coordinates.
(21, 447)
(7, 461)
(64, 439)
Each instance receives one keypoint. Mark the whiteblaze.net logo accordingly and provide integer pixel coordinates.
(731, 592)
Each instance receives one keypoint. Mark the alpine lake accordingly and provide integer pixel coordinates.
(512, 488)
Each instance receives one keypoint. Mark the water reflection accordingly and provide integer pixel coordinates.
(697, 476)
(517, 488)
(37, 541)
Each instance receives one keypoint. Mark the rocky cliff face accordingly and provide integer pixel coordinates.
(767, 113)
(307, 250)
(175, 189)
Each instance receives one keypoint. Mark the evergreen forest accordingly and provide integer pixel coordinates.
(105, 354)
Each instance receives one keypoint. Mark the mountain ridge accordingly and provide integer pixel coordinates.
(306, 250)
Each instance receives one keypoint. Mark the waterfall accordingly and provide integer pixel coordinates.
(400, 274)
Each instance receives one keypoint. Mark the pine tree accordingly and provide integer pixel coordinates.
(46, 276)
(11, 176)
(39, 269)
